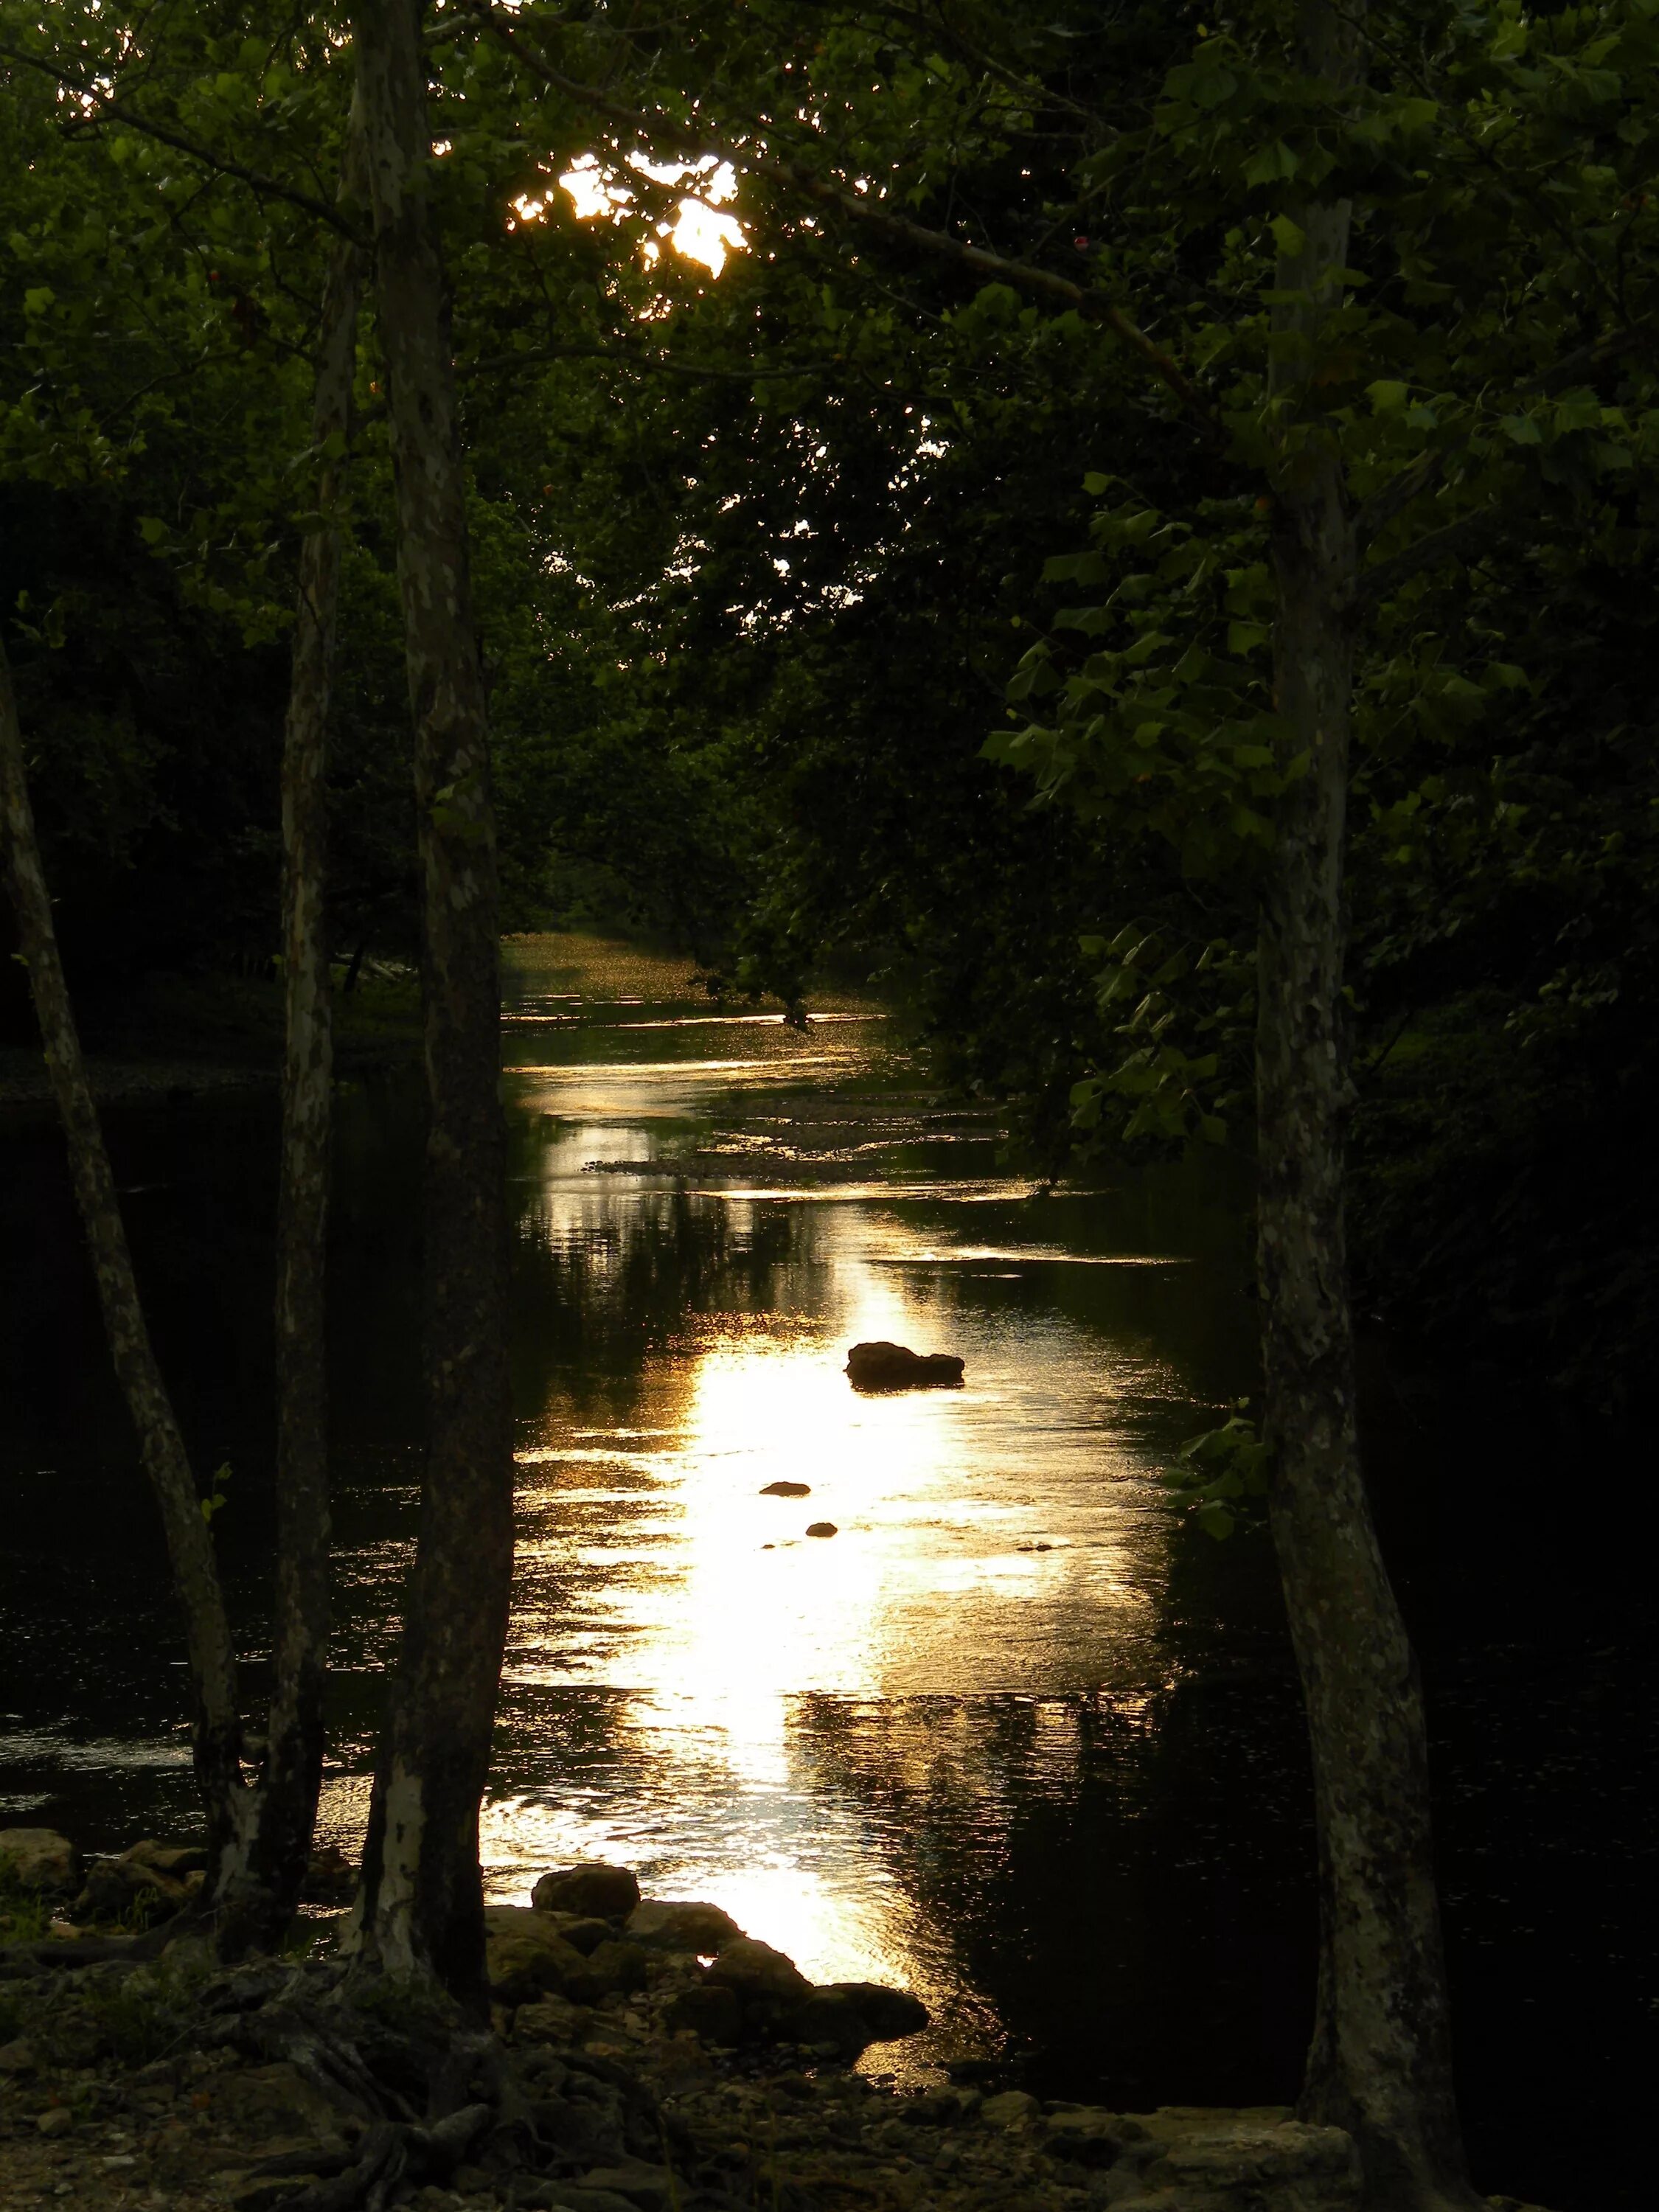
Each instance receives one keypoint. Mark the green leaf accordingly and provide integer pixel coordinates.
(1289, 239)
(1271, 164)
(1216, 1521)
(1521, 430)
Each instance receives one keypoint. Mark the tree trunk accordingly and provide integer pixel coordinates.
(420, 1907)
(259, 1885)
(216, 1728)
(1380, 2063)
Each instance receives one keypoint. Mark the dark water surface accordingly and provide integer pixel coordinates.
(1012, 1737)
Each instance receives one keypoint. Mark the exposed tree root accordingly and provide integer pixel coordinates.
(426, 2089)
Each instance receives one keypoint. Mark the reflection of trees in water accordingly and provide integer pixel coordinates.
(1126, 1876)
(592, 1303)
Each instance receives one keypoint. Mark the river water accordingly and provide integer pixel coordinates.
(1012, 1736)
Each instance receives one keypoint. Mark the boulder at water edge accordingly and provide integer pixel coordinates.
(591, 1890)
(39, 1859)
(668, 1925)
(756, 1970)
(525, 1956)
(146, 1884)
(884, 1366)
(852, 2016)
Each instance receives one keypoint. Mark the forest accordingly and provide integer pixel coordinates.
(1121, 539)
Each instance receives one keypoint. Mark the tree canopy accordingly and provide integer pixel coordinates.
(759, 554)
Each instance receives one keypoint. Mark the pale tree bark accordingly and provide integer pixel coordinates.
(1380, 2064)
(420, 1907)
(216, 1728)
(260, 1881)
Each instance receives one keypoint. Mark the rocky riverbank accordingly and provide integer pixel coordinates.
(648, 2056)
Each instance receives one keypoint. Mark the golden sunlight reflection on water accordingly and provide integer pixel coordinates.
(695, 1685)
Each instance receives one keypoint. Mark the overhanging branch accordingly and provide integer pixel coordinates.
(1021, 276)
(1418, 476)
(107, 109)
(1454, 543)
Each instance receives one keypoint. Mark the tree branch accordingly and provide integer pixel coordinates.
(109, 110)
(1039, 284)
(1380, 509)
(1452, 543)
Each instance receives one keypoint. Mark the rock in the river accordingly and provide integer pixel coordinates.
(668, 1925)
(525, 1956)
(888, 2014)
(822, 1529)
(786, 1490)
(884, 1366)
(39, 1859)
(591, 1890)
(755, 1970)
(851, 2015)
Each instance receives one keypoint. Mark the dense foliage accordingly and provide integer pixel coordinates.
(759, 556)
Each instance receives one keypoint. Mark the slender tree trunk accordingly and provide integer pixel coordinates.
(1380, 2063)
(259, 1884)
(420, 1907)
(216, 1728)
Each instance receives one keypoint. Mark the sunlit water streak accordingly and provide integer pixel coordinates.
(679, 1641)
(1010, 1736)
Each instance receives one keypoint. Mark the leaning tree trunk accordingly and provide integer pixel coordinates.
(1380, 2063)
(420, 1906)
(259, 1882)
(217, 1729)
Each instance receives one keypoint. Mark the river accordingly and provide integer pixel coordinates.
(1012, 1736)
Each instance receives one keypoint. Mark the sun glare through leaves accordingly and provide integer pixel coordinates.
(696, 230)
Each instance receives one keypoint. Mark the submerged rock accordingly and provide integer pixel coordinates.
(822, 1529)
(590, 1889)
(786, 1489)
(882, 1366)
